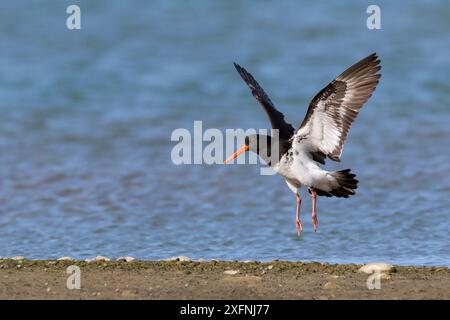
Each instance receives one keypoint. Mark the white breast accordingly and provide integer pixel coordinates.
(297, 165)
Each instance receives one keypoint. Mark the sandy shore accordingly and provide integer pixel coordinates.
(46, 279)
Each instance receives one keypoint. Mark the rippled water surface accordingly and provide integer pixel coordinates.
(86, 120)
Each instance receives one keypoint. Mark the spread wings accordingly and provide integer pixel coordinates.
(286, 131)
(332, 111)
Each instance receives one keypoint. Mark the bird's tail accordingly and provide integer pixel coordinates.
(345, 186)
(347, 183)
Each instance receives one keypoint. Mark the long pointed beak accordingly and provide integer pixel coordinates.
(234, 155)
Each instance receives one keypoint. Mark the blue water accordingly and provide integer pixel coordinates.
(87, 115)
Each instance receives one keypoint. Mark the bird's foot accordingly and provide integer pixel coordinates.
(315, 222)
(299, 227)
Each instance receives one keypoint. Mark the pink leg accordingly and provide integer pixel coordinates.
(298, 223)
(314, 212)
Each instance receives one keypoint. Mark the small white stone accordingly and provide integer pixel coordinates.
(101, 258)
(231, 272)
(89, 260)
(385, 276)
(65, 259)
(17, 258)
(178, 258)
(126, 259)
(183, 258)
(376, 267)
(270, 267)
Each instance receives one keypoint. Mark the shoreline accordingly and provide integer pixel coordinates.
(185, 279)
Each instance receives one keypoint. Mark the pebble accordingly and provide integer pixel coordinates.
(178, 258)
(231, 272)
(126, 259)
(65, 259)
(101, 258)
(385, 276)
(18, 258)
(376, 267)
(331, 285)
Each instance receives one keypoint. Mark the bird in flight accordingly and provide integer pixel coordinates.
(297, 155)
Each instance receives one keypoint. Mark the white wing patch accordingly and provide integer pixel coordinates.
(333, 109)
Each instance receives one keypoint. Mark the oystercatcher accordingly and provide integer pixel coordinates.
(321, 135)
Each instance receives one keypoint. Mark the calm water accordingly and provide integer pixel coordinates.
(86, 119)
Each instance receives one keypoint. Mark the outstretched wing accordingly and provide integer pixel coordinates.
(332, 111)
(286, 131)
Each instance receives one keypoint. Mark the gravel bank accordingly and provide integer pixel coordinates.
(135, 279)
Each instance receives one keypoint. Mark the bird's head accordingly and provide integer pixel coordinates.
(257, 143)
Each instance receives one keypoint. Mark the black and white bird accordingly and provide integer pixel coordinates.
(321, 135)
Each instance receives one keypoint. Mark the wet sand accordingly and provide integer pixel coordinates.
(46, 279)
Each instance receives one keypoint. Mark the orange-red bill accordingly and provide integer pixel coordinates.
(234, 155)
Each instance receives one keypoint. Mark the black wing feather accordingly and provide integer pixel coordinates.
(286, 130)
